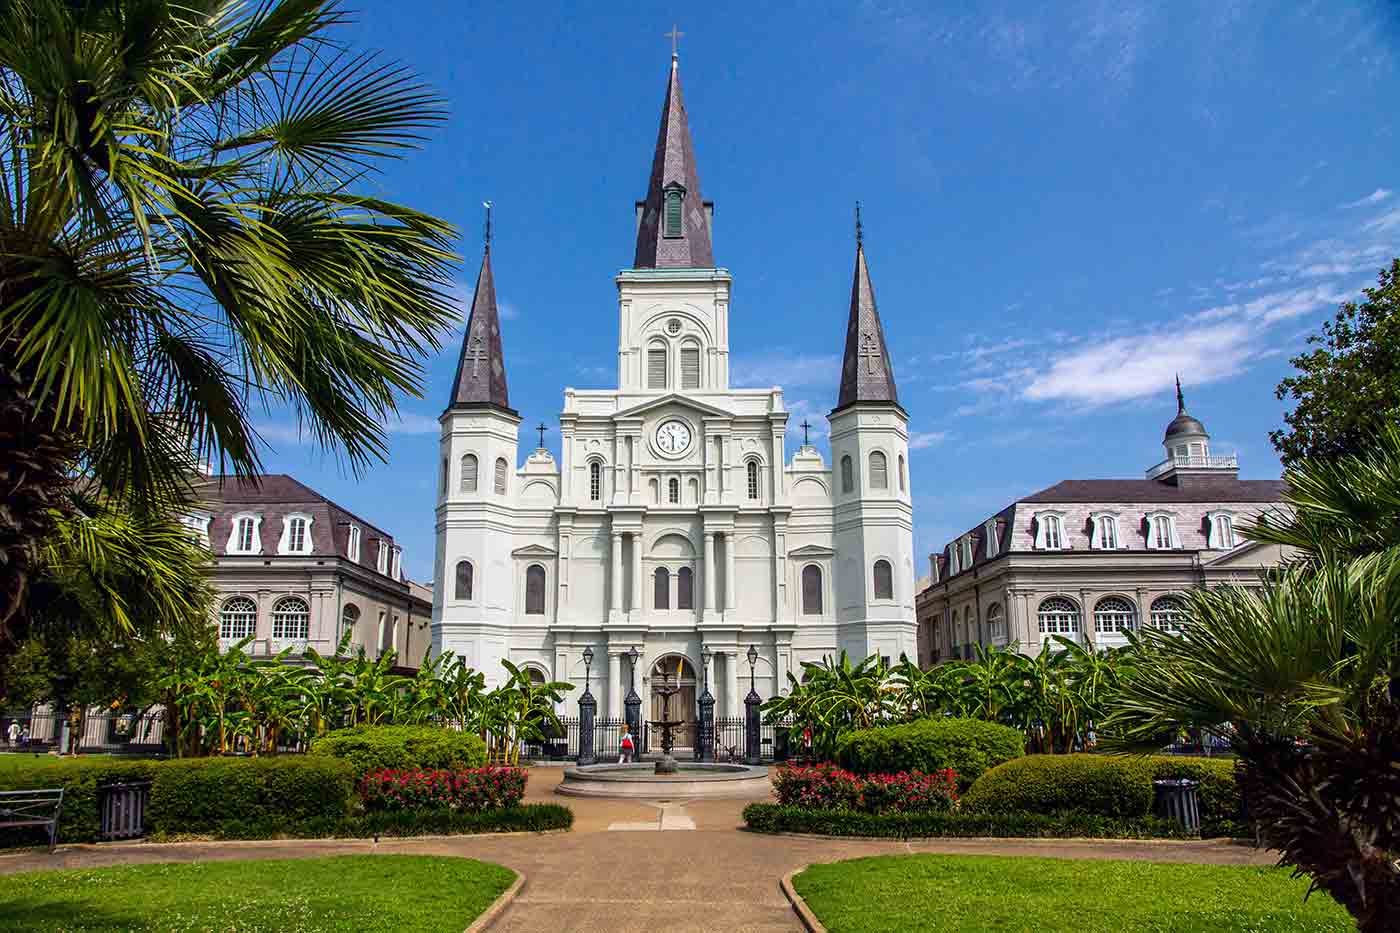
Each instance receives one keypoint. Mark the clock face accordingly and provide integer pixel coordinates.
(673, 437)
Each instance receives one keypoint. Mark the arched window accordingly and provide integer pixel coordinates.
(752, 469)
(811, 590)
(1161, 532)
(464, 580)
(673, 491)
(390, 636)
(501, 476)
(879, 471)
(1050, 532)
(534, 590)
(848, 480)
(884, 580)
(655, 492)
(468, 473)
(349, 618)
(996, 622)
(1167, 612)
(690, 366)
(595, 481)
(656, 366)
(661, 593)
(685, 588)
(901, 473)
(291, 618)
(1058, 616)
(238, 618)
(1114, 615)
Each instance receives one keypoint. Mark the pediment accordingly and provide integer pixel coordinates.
(534, 550)
(811, 550)
(673, 398)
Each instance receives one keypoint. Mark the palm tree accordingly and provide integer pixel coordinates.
(184, 234)
(1303, 676)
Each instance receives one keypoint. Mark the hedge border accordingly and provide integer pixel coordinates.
(774, 818)
(400, 824)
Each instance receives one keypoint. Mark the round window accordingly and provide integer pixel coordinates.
(673, 326)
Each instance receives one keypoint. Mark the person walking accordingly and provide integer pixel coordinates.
(13, 733)
(626, 747)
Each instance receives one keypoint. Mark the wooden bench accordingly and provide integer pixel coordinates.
(32, 808)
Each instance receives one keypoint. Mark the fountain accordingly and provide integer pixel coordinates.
(666, 689)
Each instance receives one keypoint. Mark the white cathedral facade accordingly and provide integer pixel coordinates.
(674, 521)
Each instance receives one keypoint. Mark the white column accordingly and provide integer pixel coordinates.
(709, 572)
(732, 706)
(729, 586)
(637, 573)
(614, 705)
(615, 556)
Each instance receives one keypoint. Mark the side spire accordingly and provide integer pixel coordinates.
(481, 368)
(673, 223)
(1180, 399)
(866, 372)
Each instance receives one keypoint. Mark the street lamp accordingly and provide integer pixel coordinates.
(587, 665)
(632, 655)
(706, 655)
(751, 705)
(753, 659)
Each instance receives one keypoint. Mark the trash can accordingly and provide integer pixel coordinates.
(781, 738)
(1176, 800)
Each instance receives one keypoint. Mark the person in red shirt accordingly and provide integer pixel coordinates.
(626, 747)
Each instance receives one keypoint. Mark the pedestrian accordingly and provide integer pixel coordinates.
(24, 737)
(626, 747)
(12, 734)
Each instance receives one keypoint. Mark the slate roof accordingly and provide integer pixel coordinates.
(481, 368)
(1203, 489)
(866, 372)
(674, 164)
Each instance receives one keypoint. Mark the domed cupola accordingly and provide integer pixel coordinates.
(1187, 446)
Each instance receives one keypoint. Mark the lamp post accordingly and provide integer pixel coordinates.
(706, 739)
(632, 706)
(587, 709)
(751, 704)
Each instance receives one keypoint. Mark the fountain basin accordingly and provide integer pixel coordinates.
(639, 781)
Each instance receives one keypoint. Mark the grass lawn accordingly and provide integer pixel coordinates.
(15, 761)
(1040, 895)
(409, 893)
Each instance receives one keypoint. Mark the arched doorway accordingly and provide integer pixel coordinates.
(677, 670)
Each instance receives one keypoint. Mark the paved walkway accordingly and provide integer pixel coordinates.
(612, 873)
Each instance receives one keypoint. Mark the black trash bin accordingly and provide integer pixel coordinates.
(782, 736)
(1176, 800)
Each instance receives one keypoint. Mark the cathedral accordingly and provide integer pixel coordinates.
(673, 521)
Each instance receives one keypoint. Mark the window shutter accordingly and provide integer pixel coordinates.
(500, 477)
(879, 473)
(674, 200)
(464, 580)
(661, 592)
(685, 588)
(884, 580)
(534, 590)
(468, 473)
(656, 368)
(690, 367)
(811, 590)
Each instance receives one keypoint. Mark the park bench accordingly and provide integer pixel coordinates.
(32, 808)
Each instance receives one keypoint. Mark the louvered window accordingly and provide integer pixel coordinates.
(811, 590)
(847, 475)
(884, 580)
(879, 471)
(674, 200)
(468, 473)
(661, 593)
(901, 472)
(656, 368)
(753, 479)
(500, 476)
(690, 367)
(685, 588)
(595, 481)
(534, 590)
(464, 580)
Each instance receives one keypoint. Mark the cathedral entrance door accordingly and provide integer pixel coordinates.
(682, 706)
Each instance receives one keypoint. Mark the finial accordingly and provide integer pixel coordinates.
(1180, 399)
(859, 233)
(540, 427)
(487, 205)
(675, 35)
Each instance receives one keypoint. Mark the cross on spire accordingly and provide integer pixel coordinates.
(805, 427)
(675, 35)
(859, 233)
(476, 354)
(869, 352)
(487, 205)
(540, 427)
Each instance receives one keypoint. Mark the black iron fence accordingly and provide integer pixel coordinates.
(776, 742)
(110, 732)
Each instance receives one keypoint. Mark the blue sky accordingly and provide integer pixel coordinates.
(1064, 205)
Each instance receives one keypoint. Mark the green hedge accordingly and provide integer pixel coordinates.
(967, 746)
(197, 795)
(1108, 785)
(78, 821)
(774, 818)
(530, 817)
(369, 748)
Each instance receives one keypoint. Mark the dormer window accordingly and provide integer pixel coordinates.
(967, 551)
(672, 213)
(1104, 536)
(396, 562)
(352, 548)
(1161, 532)
(954, 563)
(296, 535)
(381, 561)
(989, 535)
(1222, 531)
(244, 539)
(1049, 531)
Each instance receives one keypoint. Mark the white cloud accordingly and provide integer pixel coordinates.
(802, 410)
(279, 432)
(1124, 368)
(1276, 306)
(1390, 220)
(919, 440)
(786, 369)
(410, 423)
(1375, 197)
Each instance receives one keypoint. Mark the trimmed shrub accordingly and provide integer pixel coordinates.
(479, 789)
(968, 747)
(1105, 785)
(79, 820)
(829, 788)
(198, 795)
(775, 818)
(530, 817)
(404, 748)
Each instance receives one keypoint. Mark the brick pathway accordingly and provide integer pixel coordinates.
(715, 877)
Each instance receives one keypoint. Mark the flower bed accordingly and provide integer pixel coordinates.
(826, 787)
(474, 790)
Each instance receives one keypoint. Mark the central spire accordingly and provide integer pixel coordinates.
(481, 368)
(673, 223)
(866, 373)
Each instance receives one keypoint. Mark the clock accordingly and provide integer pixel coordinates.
(673, 437)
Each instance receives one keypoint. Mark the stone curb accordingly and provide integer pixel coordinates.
(799, 905)
(1057, 840)
(498, 906)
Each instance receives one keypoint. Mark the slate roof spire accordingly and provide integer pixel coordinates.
(673, 226)
(866, 372)
(481, 368)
